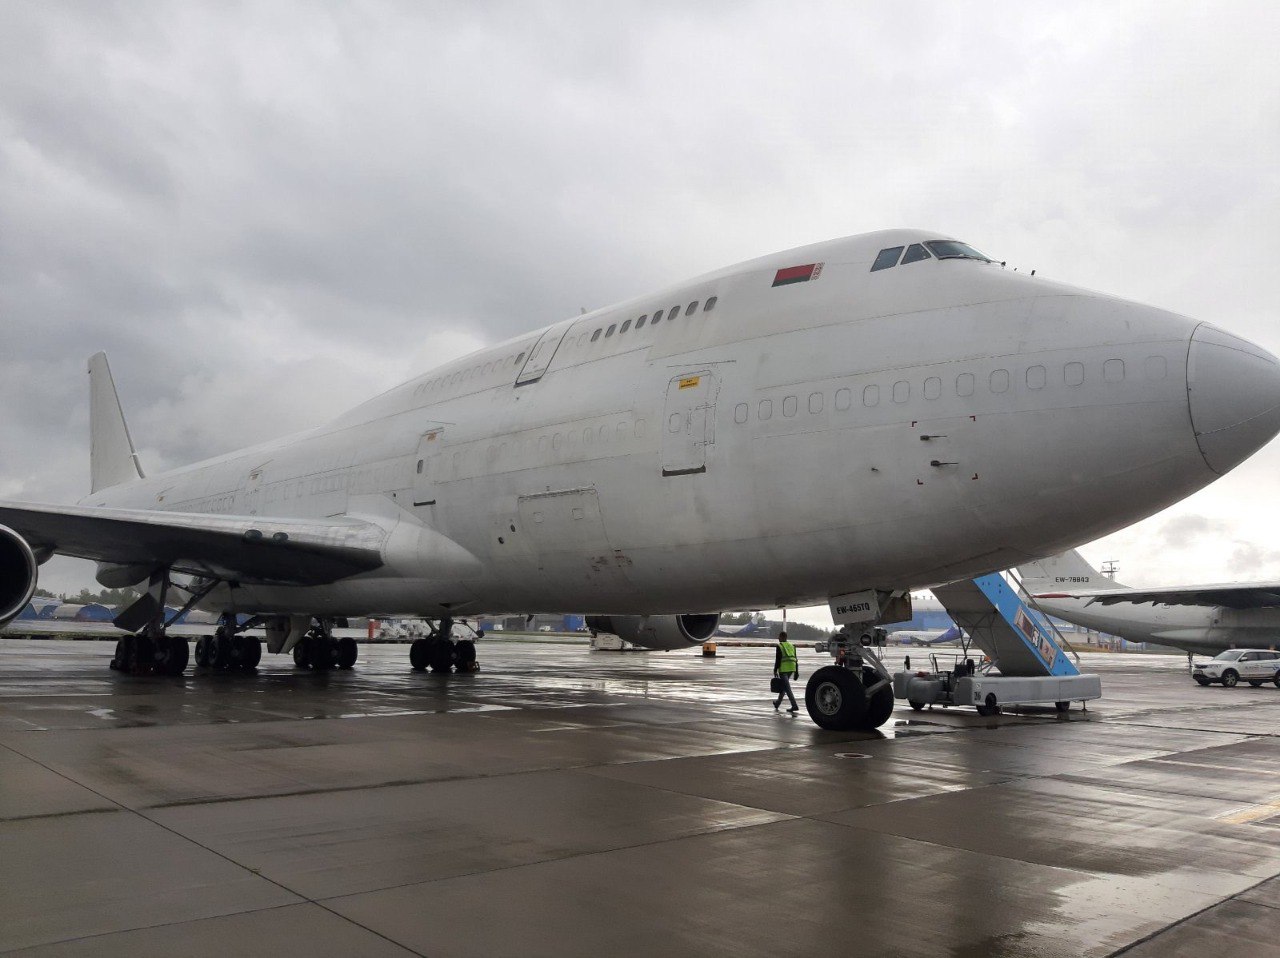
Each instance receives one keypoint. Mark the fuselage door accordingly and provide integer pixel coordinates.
(689, 422)
(425, 467)
(542, 353)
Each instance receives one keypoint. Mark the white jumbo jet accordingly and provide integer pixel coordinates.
(891, 411)
(1195, 618)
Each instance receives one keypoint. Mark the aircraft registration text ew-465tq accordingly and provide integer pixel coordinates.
(886, 411)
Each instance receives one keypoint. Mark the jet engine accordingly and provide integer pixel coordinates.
(18, 571)
(659, 632)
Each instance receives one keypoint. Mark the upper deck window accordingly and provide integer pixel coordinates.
(951, 249)
(888, 257)
(915, 253)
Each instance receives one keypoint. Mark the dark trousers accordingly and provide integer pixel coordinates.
(786, 690)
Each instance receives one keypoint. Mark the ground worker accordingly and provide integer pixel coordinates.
(786, 666)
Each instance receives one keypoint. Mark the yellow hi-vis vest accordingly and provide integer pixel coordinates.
(789, 664)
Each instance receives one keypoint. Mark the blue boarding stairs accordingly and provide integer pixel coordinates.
(1027, 660)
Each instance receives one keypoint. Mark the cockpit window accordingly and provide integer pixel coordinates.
(888, 257)
(915, 252)
(951, 249)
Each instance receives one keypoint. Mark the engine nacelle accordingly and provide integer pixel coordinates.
(18, 572)
(659, 632)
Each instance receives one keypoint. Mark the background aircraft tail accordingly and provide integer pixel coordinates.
(112, 458)
(1064, 572)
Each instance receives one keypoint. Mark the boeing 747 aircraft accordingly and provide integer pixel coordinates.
(887, 411)
(1196, 618)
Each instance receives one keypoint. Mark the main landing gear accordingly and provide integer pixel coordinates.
(440, 652)
(856, 692)
(228, 650)
(320, 651)
(151, 650)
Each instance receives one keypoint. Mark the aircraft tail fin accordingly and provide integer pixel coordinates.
(1064, 572)
(112, 458)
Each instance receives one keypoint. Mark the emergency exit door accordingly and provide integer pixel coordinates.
(689, 422)
(542, 353)
(425, 469)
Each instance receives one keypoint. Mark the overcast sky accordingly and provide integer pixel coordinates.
(266, 212)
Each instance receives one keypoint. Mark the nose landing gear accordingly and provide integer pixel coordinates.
(856, 692)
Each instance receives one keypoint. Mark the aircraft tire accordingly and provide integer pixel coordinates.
(202, 651)
(347, 652)
(419, 658)
(220, 651)
(1230, 678)
(442, 655)
(323, 652)
(142, 655)
(465, 652)
(250, 653)
(879, 703)
(915, 706)
(174, 655)
(118, 662)
(302, 653)
(835, 698)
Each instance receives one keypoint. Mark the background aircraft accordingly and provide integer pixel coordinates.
(1196, 618)
(889, 411)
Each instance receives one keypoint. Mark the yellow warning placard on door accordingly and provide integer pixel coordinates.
(690, 381)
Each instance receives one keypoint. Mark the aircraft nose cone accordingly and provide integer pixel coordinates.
(1233, 389)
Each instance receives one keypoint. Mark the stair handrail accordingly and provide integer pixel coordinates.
(1045, 617)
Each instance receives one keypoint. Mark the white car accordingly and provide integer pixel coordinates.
(1254, 666)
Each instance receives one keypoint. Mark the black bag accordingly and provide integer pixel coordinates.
(777, 685)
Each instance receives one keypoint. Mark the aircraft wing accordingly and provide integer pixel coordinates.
(242, 548)
(1232, 595)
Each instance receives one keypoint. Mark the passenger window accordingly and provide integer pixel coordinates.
(625, 327)
(789, 405)
(640, 322)
(672, 313)
(1073, 374)
(1035, 377)
(520, 357)
(595, 335)
(815, 403)
(740, 413)
(901, 391)
(1156, 367)
(612, 328)
(871, 396)
(843, 399)
(657, 316)
(999, 380)
(419, 467)
(932, 387)
(964, 384)
(888, 257)
(915, 253)
(691, 308)
(1113, 370)
(766, 409)
(711, 304)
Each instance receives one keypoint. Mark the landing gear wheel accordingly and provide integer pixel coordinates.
(252, 653)
(324, 653)
(120, 660)
(1206, 681)
(879, 702)
(465, 653)
(204, 652)
(347, 652)
(220, 651)
(916, 706)
(442, 655)
(835, 699)
(1230, 677)
(142, 657)
(419, 655)
(302, 653)
(1062, 706)
(990, 706)
(173, 655)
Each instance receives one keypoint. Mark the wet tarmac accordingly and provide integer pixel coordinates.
(565, 802)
